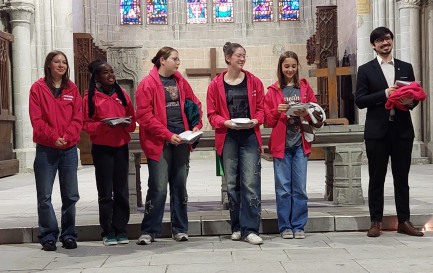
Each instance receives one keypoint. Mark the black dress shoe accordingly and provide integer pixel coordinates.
(49, 246)
(408, 228)
(69, 243)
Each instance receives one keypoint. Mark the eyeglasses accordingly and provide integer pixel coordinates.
(381, 40)
(240, 56)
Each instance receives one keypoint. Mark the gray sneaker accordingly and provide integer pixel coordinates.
(253, 239)
(299, 234)
(145, 239)
(236, 236)
(287, 234)
(180, 237)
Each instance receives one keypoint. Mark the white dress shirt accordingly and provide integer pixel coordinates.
(389, 73)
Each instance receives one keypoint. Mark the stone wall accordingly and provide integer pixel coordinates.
(263, 41)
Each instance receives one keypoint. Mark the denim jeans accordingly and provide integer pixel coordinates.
(111, 171)
(48, 160)
(172, 168)
(241, 165)
(291, 189)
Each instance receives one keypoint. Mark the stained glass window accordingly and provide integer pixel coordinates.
(156, 12)
(262, 10)
(130, 13)
(222, 11)
(289, 10)
(197, 11)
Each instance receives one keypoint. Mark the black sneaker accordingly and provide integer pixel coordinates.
(49, 246)
(69, 244)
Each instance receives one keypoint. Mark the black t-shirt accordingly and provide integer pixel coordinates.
(237, 99)
(172, 102)
(57, 92)
(293, 132)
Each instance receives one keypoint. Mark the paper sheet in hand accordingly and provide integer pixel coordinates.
(190, 137)
(116, 120)
(402, 83)
(242, 122)
(297, 106)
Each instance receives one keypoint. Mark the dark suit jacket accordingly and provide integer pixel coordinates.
(370, 93)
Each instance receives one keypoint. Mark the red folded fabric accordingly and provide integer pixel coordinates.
(413, 90)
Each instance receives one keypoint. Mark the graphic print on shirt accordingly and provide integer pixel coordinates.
(172, 102)
(293, 121)
(174, 95)
(237, 99)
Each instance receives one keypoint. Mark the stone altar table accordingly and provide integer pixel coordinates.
(342, 144)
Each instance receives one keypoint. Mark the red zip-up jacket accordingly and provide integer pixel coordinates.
(218, 113)
(152, 113)
(278, 121)
(53, 118)
(413, 91)
(108, 107)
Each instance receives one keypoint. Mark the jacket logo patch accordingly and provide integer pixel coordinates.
(254, 93)
(118, 100)
(67, 97)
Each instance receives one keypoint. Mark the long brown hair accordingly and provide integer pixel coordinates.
(47, 73)
(281, 79)
(164, 52)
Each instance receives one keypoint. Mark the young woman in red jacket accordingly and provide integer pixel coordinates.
(160, 101)
(56, 116)
(106, 99)
(288, 146)
(236, 94)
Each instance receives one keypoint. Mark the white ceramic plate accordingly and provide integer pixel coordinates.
(241, 120)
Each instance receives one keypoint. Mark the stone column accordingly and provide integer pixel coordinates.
(365, 52)
(62, 30)
(410, 52)
(20, 13)
(429, 74)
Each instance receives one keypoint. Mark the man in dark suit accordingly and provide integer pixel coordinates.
(387, 132)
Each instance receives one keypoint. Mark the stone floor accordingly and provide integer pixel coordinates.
(18, 215)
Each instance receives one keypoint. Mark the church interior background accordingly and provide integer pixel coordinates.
(128, 34)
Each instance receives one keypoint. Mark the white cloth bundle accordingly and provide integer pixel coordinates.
(318, 117)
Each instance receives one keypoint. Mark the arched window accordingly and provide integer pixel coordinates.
(223, 11)
(156, 12)
(262, 10)
(196, 11)
(130, 12)
(288, 10)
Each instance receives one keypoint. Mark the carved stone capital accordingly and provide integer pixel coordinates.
(19, 12)
(410, 4)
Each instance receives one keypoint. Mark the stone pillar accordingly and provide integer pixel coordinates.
(365, 52)
(20, 13)
(429, 74)
(63, 31)
(410, 52)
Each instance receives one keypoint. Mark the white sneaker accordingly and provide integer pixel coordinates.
(253, 239)
(299, 234)
(287, 234)
(180, 237)
(145, 239)
(236, 236)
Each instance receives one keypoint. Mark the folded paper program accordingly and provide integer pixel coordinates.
(116, 121)
(190, 137)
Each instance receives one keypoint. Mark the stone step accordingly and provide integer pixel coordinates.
(217, 223)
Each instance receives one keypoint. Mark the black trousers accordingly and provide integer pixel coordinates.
(378, 153)
(111, 170)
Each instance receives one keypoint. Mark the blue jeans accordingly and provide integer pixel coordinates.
(48, 160)
(172, 168)
(291, 189)
(241, 164)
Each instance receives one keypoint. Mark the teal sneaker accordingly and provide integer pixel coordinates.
(122, 239)
(109, 240)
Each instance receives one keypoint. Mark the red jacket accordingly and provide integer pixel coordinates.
(413, 91)
(278, 121)
(108, 107)
(218, 113)
(53, 118)
(152, 113)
